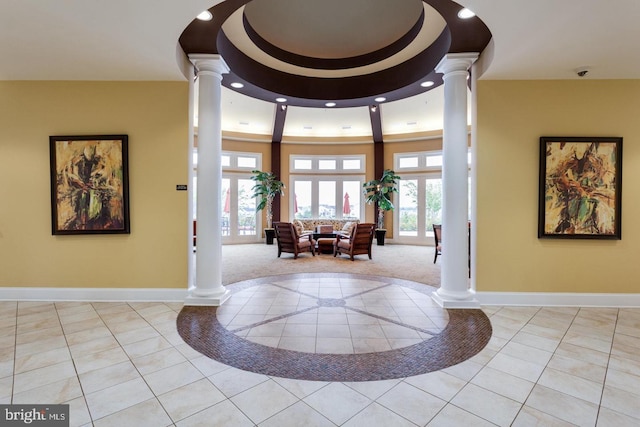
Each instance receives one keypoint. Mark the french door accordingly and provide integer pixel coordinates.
(240, 221)
(418, 207)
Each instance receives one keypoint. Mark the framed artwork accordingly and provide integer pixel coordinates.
(89, 184)
(580, 188)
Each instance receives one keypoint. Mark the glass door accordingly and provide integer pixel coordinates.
(239, 221)
(418, 207)
(408, 208)
(239, 217)
(433, 204)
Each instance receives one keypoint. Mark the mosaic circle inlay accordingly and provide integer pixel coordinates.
(454, 336)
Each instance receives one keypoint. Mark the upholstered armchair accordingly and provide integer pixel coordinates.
(358, 242)
(289, 241)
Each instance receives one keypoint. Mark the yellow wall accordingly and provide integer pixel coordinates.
(154, 116)
(512, 116)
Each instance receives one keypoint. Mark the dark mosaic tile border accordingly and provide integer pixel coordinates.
(467, 332)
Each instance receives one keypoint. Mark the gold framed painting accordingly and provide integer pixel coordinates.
(580, 188)
(89, 184)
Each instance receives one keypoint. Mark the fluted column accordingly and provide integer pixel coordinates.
(454, 291)
(207, 288)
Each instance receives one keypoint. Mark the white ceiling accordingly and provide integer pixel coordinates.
(137, 40)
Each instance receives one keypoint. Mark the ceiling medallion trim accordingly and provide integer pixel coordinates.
(334, 63)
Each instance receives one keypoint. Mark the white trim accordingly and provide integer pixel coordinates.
(235, 155)
(180, 295)
(233, 160)
(455, 303)
(207, 301)
(547, 299)
(339, 169)
(422, 157)
(93, 294)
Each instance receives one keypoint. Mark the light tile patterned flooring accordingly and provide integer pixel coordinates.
(366, 316)
(120, 364)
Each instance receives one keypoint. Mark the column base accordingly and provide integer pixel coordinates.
(446, 301)
(211, 300)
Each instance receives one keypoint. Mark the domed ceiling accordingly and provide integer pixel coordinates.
(338, 54)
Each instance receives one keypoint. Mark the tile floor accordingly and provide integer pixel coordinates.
(358, 316)
(334, 327)
(120, 364)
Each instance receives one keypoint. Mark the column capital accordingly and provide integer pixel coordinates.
(206, 63)
(456, 62)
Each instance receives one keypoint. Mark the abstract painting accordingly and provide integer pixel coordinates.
(89, 184)
(580, 187)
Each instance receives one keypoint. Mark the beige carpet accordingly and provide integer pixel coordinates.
(415, 263)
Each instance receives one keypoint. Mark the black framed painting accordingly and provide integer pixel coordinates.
(89, 184)
(580, 188)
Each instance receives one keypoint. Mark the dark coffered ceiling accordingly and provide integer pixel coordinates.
(345, 52)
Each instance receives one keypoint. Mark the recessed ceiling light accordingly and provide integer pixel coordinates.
(380, 99)
(428, 83)
(237, 85)
(330, 104)
(205, 16)
(465, 14)
(281, 99)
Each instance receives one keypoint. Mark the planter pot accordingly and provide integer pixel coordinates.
(270, 234)
(380, 233)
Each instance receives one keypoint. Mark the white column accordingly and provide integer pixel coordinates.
(191, 265)
(475, 72)
(454, 291)
(208, 288)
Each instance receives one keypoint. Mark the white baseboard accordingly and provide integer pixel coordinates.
(180, 295)
(558, 299)
(93, 294)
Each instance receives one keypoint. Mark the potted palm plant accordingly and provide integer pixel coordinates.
(378, 192)
(267, 187)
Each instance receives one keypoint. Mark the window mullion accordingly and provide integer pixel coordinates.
(315, 200)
